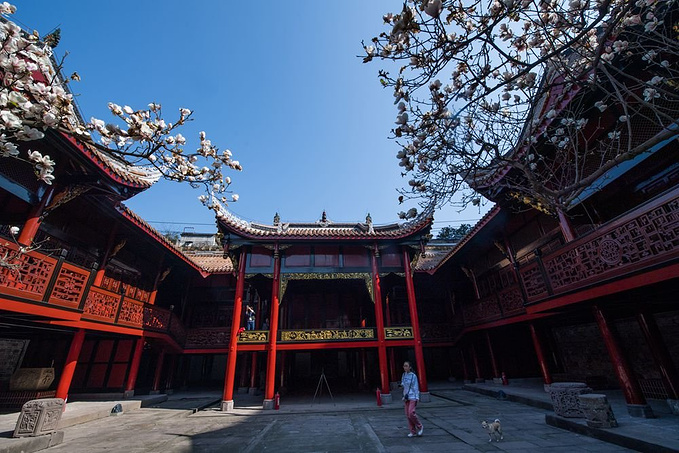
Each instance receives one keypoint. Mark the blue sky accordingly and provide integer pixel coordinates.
(278, 83)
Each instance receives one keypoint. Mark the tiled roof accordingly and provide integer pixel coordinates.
(141, 223)
(432, 265)
(323, 229)
(432, 257)
(213, 262)
(121, 171)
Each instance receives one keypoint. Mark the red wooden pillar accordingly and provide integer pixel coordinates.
(539, 353)
(32, 224)
(493, 362)
(156, 281)
(566, 227)
(475, 360)
(107, 254)
(273, 332)
(281, 382)
(227, 396)
(412, 307)
(253, 375)
(636, 403)
(134, 367)
(70, 365)
(661, 355)
(158, 373)
(170, 374)
(379, 320)
(393, 366)
(465, 370)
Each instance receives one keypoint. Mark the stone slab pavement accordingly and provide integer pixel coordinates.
(347, 423)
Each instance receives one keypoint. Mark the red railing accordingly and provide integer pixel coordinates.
(36, 277)
(642, 238)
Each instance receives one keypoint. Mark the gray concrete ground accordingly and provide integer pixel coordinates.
(347, 423)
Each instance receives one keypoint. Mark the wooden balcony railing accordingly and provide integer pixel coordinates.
(38, 277)
(641, 239)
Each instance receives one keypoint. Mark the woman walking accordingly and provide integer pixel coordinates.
(411, 395)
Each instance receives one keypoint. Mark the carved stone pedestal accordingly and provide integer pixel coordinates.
(425, 397)
(674, 406)
(597, 411)
(227, 405)
(386, 398)
(564, 397)
(39, 417)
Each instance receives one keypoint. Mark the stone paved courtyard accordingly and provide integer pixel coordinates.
(452, 424)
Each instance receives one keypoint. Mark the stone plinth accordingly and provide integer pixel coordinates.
(597, 411)
(425, 397)
(39, 417)
(386, 398)
(674, 406)
(565, 400)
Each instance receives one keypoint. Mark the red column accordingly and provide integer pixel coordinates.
(412, 307)
(379, 320)
(281, 382)
(465, 370)
(393, 366)
(158, 373)
(273, 332)
(156, 281)
(628, 382)
(170, 373)
(546, 375)
(253, 372)
(32, 224)
(134, 367)
(71, 363)
(566, 227)
(104, 259)
(661, 355)
(475, 359)
(227, 396)
(493, 362)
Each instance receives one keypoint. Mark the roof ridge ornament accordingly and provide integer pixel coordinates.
(324, 222)
(369, 222)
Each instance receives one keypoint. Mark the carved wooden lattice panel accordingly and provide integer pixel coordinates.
(101, 305)
(533, 281)
(28, 275)
(212, 338)
(511, 301)
(69, 286)
(438, 332)
(156, 318)
(131, 313)
(644, 238)
(177, 329)
(483, 309)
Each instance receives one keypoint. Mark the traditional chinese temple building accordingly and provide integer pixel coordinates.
(94, 301)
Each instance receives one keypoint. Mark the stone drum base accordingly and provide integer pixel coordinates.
(564, 397)
(597, 411)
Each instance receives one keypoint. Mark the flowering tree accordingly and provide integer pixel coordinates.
(538, 99)
(34, 98)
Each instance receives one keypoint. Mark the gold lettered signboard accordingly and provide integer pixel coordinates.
(253, 336)
(327, 334)
(398, 333)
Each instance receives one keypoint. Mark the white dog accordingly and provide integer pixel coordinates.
(494, 430)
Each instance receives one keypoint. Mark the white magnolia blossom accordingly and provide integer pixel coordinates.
(34, 98)
(478, 86)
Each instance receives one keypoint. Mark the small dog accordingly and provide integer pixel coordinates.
(494, 430)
